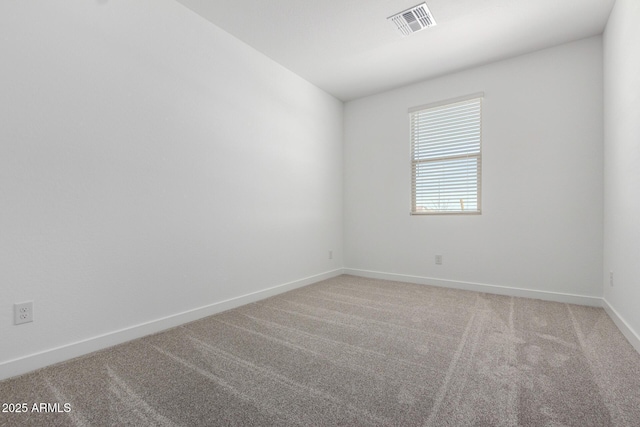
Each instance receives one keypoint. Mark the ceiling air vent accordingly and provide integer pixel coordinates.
(414, 19)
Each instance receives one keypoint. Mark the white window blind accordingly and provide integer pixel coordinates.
(446, 157)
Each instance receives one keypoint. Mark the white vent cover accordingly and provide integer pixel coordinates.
(414, 19)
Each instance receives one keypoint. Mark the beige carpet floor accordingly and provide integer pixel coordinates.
(351, 351)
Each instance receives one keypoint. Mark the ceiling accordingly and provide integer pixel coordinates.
(349, 49)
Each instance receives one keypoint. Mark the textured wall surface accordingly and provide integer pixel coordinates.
(542, 178)
(621, 160)
(151, 164)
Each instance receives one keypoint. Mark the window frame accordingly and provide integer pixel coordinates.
(415, 161)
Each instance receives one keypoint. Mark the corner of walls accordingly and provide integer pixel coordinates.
(481, 287)
(539, 110)
(152, 174)
(621, 173)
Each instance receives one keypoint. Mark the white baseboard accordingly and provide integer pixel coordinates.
(627, 331)
(480, 287)
(48, 357)
(632, 336)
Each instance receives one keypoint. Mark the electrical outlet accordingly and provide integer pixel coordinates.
(23, 313)
(611, 278)
(330, 254)
(439, 259)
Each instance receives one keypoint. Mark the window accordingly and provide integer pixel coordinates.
(446, 157)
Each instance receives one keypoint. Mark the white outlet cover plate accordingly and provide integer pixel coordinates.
(23, 313)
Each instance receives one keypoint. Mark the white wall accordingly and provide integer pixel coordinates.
(621, 172)
(151, 164)
(541, 222)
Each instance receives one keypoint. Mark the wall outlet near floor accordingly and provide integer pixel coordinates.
(330, 254)
(23, 313)
(611, 278)
(439, 259)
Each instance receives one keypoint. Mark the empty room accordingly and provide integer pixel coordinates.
(334, 213)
